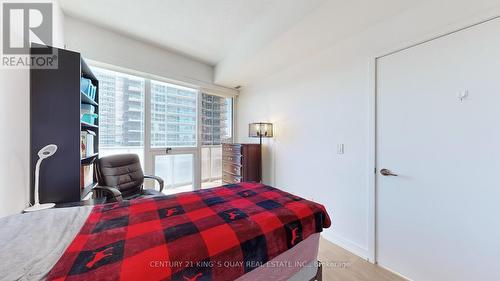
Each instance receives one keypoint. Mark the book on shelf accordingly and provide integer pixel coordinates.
(87, 143)
(86, 175)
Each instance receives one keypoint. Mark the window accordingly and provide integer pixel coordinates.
(179, 118)
(121, 113)
(174, 107)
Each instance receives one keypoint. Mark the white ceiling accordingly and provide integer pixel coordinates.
(244, 39)
(202, 29)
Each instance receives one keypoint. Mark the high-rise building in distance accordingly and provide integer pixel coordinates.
(173, 113)
(215, 119)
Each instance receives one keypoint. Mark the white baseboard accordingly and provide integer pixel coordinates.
(394, 272)
(346, 244)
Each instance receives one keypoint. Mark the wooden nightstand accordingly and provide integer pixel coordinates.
(241, 162)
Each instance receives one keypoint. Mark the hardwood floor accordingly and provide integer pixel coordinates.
(341, 265)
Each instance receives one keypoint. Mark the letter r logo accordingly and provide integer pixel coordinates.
(24, 23)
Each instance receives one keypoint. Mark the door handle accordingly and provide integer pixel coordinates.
(387, 173)
(168, 150)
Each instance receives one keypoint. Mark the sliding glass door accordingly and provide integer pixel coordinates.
(173, 151)
(176, 131)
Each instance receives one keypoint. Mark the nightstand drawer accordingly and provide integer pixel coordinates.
(231, 169)
(227, 178)
(231, 149)
(233, 159)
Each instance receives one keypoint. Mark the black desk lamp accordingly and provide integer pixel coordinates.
(260, 130)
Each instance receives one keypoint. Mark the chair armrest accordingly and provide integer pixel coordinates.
(107, 191)
(160, 180)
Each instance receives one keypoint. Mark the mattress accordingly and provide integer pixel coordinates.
(297, 264)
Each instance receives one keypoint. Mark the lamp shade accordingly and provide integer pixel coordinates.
(260, 130)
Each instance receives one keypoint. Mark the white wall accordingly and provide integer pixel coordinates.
(323, 99)
(104, 46)
(14, 130)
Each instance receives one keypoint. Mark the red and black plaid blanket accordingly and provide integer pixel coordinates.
(212, 234)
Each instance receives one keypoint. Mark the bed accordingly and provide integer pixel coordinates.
(241, 232)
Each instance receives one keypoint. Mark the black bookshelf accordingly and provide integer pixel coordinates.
(55, 118)
(84, 99)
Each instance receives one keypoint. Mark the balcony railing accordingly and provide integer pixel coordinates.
(211, 163)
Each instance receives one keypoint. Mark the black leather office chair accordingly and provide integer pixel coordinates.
(120, 177)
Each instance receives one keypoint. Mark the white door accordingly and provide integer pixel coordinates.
(438, 129)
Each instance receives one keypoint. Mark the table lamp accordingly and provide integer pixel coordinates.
(44, 153)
